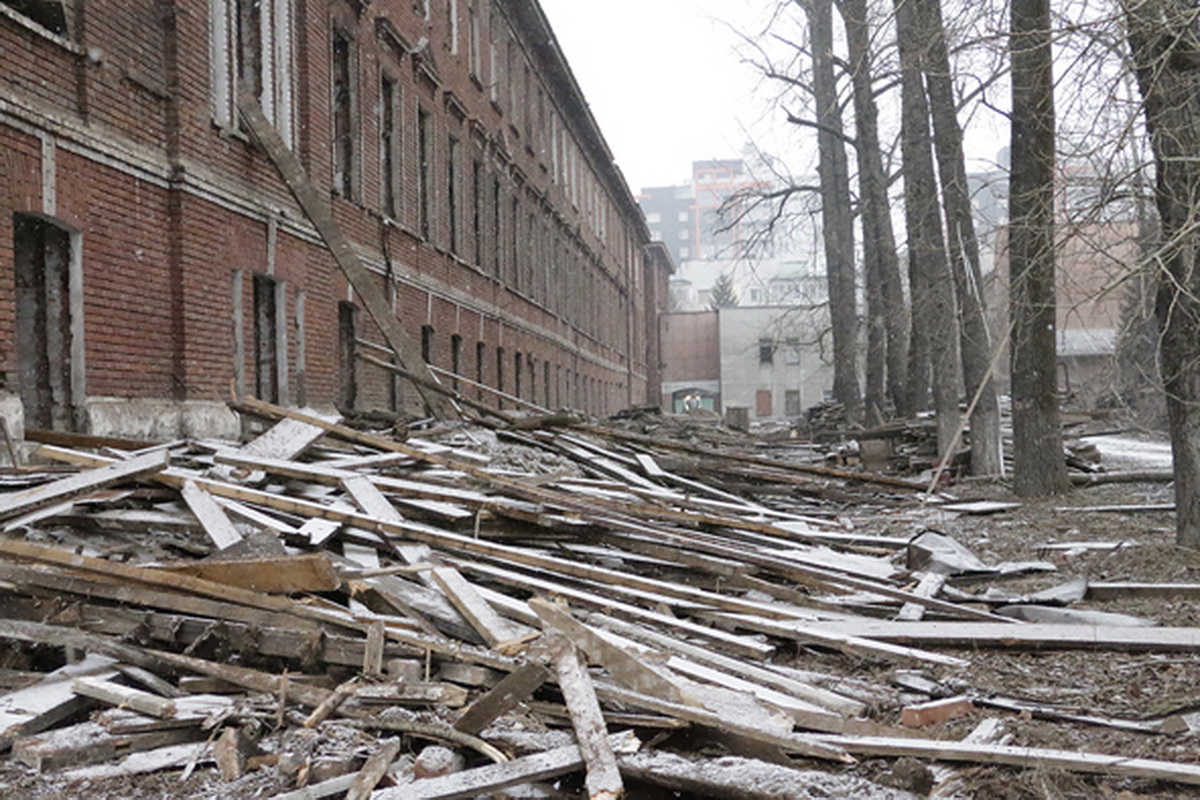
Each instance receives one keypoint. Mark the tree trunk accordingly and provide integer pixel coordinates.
(934, 311)
(886, 306)
(963, 248)
(1039, 468)
(1165, 44)
(837, 219)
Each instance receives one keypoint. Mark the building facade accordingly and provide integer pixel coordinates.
(152, 259)
(767, 359)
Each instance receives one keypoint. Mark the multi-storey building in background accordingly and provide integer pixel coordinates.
(686, 218)
(153, 258)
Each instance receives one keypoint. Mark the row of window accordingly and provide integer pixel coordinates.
(516, 376)
(466, 203)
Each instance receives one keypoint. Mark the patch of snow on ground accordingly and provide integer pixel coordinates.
(1130, 452)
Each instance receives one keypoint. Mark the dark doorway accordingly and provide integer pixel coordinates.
(347, 363)
(266, 341)
(42, 266)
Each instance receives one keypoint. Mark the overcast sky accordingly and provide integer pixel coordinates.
(671, 89)
(667, 90)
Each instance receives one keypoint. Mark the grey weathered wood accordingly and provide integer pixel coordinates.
(844, 637)
(930, 584)
(804, 744)
(482, 781)
(287, 438)
(1030, 635)
(211, 516)
(494, 629)
(374, 770)
(115, 694)
(625, 667)
(762, 676)
(401, 770)
(603, 779)
(504, 696)
(1019, 756)
(35, 708)
(74, 486)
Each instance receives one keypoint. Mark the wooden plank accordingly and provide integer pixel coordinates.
(49, 701)
(625, 667)
(157, 659)
(401, 770)
(834, 636)
(1117, 591)
(319, 212)
(83, 483)
(145, 598)
(287, 438)
(603, 779)
(804, 744)
(115, 694)
(146, 575)
(483, 781)
(210, 515)
(930, 584)
(373, 771)
(89, 743)
(141, 763)
(1020, 756)
(494, 629)
(503, 697)
(1028, 635)
(761, 675)
(306, 572)
(319, 531)
(739, 644)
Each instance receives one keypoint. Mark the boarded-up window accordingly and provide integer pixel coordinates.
(762, 403)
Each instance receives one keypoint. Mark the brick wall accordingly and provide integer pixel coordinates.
(537, 249)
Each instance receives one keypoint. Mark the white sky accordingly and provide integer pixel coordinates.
(668, 90)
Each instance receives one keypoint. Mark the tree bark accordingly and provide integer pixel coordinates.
(837, 219)
(887, 311)
(1165, 44)
(1039, 468)
(962, 248)
(934, 310)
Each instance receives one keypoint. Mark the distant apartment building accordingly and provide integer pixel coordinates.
(153, 257)
(768, 359)
(686, 218)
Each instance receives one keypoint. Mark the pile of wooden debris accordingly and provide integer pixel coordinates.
(323, 612)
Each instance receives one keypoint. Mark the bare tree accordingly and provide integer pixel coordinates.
(887, 309)
(934, 309)
(836, 209)
(962, 246)
(1165, 44)
(1038, 465)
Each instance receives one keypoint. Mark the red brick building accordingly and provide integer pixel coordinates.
(152, 258)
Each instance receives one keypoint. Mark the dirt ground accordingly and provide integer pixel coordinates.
(1120, 685)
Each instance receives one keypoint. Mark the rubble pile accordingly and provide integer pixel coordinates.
(326, 612)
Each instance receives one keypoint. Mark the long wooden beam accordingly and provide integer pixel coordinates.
(318, 211)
